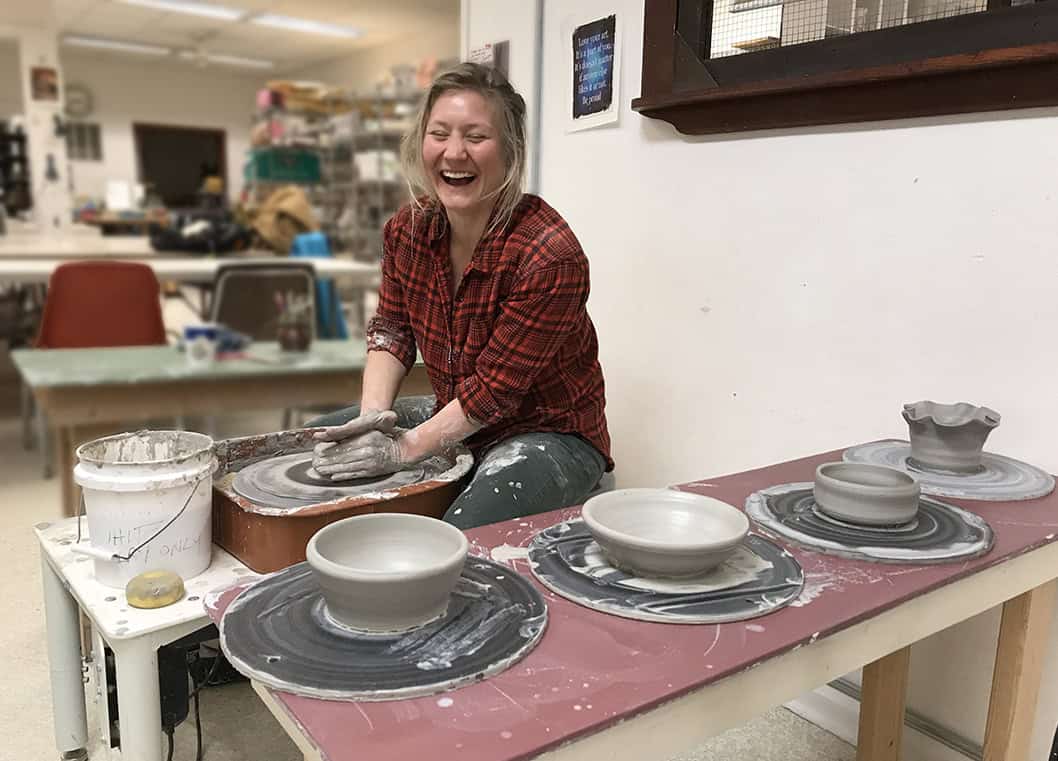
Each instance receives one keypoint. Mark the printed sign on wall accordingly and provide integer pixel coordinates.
(494, 54)
(595, 60)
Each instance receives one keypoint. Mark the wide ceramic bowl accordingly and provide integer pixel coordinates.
(869, 494)
(386, 572)
(662, 532)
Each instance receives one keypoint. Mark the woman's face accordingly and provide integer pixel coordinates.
(461, 151)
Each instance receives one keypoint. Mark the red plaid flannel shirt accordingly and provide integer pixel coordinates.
(516, 346)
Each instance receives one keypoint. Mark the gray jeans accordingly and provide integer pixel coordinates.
(526, 474)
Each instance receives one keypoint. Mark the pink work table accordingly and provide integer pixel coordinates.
(598, 686)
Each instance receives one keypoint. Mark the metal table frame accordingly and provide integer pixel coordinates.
(656, 723)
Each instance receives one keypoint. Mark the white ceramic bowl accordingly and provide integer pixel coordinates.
(869, 494)
(662, 532)
(386, 572)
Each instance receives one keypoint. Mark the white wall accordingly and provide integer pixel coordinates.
(768, 295)
(130, 89)
(491, 21)
(46, 150)
(362, 71)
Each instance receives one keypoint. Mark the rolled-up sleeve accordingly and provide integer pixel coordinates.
(390, 329)
(534, 322)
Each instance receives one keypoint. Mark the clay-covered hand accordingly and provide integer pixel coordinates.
(374, 453)
(368, 420)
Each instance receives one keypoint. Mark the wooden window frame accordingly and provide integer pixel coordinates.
(1004, 58)
(84, 141)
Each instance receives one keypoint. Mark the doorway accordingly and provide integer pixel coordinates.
(174, 161)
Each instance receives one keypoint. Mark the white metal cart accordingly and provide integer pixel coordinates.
(134, 636)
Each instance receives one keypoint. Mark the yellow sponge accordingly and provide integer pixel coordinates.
(154, 589)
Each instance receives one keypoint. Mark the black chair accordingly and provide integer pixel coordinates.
(244, 295)
(244, 299)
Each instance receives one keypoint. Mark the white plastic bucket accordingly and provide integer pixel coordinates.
(136, 483)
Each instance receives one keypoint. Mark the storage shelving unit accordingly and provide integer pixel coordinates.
(344, 152)
(376, 156)
(14, 170)
(315, 156)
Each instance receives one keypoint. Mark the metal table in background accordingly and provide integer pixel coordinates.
(30, 264)
(599, 686)
(84, 245)
(195, 270)
(87, 393)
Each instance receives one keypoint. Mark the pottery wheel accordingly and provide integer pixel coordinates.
(758, 578)
(278, 632)
(941, 533)
(289, 481)
(1002, 479)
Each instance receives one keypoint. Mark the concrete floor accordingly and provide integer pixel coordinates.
(236, 726)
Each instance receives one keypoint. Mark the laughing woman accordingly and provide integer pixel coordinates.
(490, 285)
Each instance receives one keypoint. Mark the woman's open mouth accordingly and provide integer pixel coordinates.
(457, 178)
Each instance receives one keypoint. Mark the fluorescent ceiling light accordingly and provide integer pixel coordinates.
(305, 25)
(231, 60)
(191, 7)
(128, 47)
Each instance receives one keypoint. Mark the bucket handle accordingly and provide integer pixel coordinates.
(94, 552)
(114, 556)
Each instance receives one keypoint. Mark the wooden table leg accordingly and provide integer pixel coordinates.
(1016, 679)
(883, 695)
(64, 455)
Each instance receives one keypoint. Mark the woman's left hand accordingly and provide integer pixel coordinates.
(374, 453)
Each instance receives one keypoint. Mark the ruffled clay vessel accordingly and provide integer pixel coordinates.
(948, 437)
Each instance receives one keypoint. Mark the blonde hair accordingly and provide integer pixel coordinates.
(509, 108)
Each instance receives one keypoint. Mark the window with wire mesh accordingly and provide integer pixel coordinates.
(745, 26)
(83, 142)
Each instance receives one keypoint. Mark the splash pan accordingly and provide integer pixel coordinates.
(1001, 479)
(941, 533)
(277, 632)
(756, 579)
(267, 502)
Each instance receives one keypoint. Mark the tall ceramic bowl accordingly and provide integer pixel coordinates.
(662, 532)
(386, 572)
(948, 437)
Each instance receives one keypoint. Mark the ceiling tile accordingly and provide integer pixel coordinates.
(184, 27)
(382, 21)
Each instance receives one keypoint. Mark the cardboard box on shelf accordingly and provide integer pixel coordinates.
(312, 97)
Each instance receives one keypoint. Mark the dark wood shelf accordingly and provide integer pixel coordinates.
(1000, 60)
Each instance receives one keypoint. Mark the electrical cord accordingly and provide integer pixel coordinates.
(170, 730)
(194, 694)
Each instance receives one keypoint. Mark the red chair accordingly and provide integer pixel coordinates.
(93, 304)
(101, 303)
